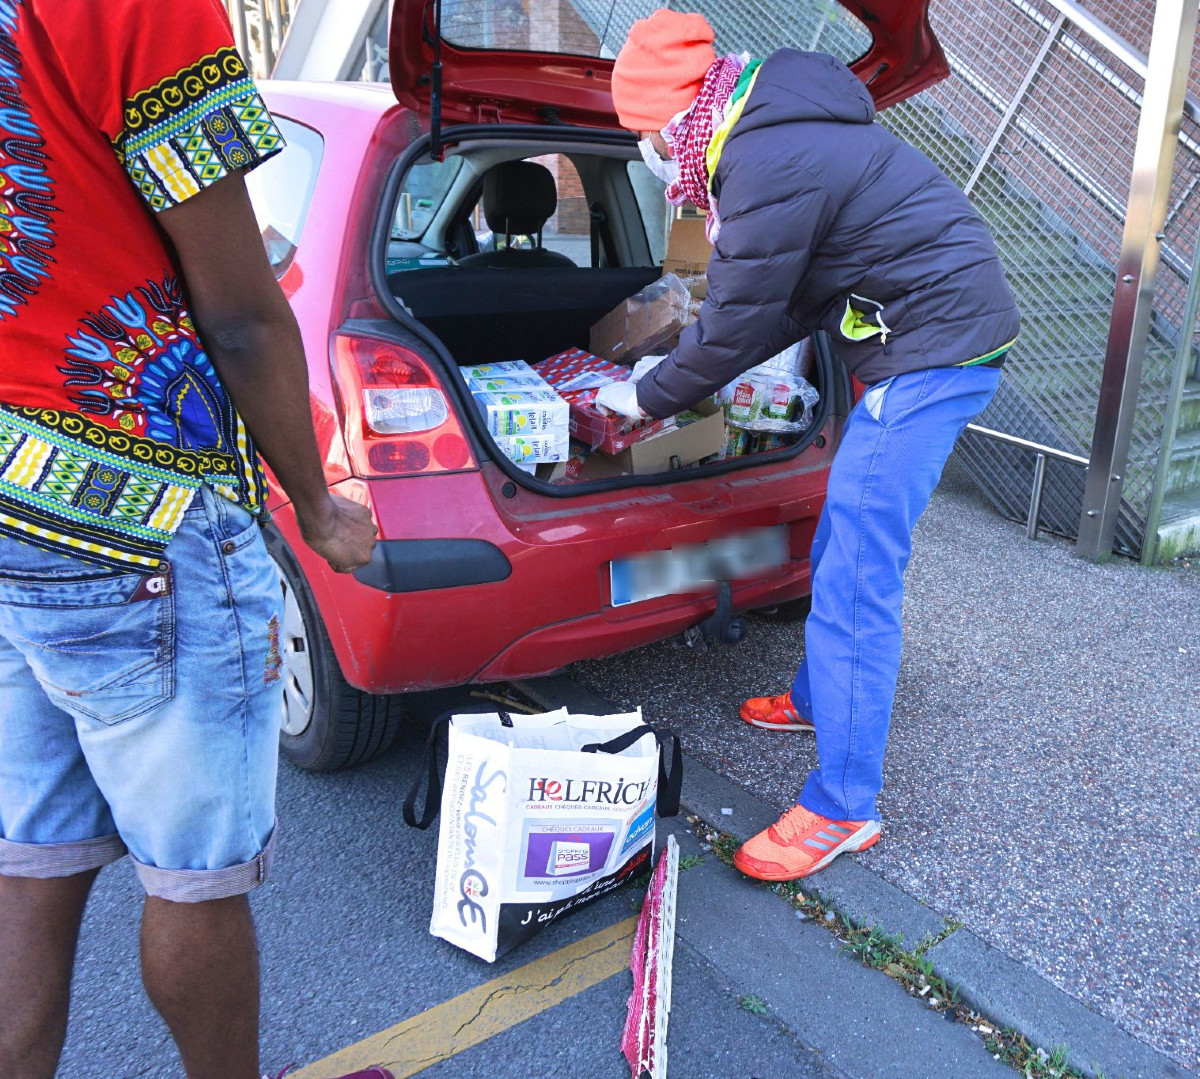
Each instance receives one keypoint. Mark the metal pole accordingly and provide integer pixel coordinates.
(1153, 165)
(241, 31)
(1035, 496)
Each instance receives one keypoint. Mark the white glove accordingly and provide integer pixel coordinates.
(644, 366)
(621, 398)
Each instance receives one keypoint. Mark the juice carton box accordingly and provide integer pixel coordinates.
(523, 412)
(529, 451)
(507, 369)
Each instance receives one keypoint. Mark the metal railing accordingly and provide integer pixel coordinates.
(1042, 138)
(1042, 454)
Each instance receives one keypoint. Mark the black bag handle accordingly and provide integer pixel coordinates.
(429, 772)
(670, 781)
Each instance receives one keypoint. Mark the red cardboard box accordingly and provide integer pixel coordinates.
(578, 375)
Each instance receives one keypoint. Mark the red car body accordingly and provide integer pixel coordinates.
(553, 605)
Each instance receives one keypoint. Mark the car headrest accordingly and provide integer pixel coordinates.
(519, 197)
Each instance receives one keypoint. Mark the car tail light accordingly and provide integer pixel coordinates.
(398, 420)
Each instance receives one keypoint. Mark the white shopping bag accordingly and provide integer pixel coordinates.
(540, 815)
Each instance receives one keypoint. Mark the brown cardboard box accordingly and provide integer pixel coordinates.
(688, 252)
(645, 324)
(675, 449)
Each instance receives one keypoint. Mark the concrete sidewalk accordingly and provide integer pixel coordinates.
(1042, 782)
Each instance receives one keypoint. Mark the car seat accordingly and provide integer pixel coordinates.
(519, 197)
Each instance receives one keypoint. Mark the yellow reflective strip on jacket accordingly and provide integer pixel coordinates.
(995, 354)
(716, 146)
(855, 326)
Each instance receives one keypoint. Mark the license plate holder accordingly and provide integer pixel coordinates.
(697, 567)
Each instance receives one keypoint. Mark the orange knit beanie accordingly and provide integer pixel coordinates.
(660, 68)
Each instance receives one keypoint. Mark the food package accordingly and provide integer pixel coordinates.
(529, 451)
(698, 433)
(507, 369)
(508, 383)
(578, 375)
(649, 321)
(523, 412)
(569, 469)
(765, 399)
(741, 443)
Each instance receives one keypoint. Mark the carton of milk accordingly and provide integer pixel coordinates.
(523, 412)
(507, 369)
(529, 451)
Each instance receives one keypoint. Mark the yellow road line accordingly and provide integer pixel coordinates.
(478, 1014)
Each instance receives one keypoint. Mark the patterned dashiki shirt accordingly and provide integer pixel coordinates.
(111, 414)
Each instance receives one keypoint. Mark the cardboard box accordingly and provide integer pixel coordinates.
(581, 466)
(647, 323)
(691, 441)
(598, 430)
(688, 252)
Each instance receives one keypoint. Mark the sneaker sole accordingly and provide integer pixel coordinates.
(767, 725)
(867, 836)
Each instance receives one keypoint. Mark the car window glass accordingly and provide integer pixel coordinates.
(599, 27)
(424, 189)
(656, 212)
(568, 232)
(281, 189)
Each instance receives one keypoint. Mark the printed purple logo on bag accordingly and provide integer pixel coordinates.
(567, 853)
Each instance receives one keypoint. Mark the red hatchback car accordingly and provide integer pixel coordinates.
(372, 217)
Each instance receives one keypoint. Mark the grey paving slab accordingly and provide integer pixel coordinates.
(1012, 995)
(710, 1037)
(855, 1018)
(1043, 773)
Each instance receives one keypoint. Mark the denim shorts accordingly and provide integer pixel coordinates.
(140, 713)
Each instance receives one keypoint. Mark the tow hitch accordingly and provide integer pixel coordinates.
(720, 627)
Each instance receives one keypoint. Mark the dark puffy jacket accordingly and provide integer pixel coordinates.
(822, 210)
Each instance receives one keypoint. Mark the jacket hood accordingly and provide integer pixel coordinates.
(797, 86)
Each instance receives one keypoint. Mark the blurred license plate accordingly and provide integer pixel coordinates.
(698, 567)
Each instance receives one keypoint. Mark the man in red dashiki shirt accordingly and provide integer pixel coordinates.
(145, 352)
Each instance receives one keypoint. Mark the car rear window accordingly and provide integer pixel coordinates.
(281, 189)
(599, 27)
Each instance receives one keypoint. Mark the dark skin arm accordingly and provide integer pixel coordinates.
(252, 339)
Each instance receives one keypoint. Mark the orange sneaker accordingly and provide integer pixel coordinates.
(775, 714)
(800, 843)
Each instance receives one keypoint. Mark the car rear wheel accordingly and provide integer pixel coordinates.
(326, 723)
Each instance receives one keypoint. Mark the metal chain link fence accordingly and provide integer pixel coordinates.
(1038, 124)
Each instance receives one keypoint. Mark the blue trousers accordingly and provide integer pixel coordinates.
(894, 447)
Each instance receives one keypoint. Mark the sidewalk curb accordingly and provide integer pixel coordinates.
(1006, 991)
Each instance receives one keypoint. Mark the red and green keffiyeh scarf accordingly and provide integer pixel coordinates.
(689, 135)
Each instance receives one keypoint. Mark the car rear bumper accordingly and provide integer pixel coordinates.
(477, 580)
(551, 648)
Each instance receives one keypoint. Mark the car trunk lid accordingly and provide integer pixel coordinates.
(550, 61)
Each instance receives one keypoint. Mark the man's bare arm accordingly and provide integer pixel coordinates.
(251, 336)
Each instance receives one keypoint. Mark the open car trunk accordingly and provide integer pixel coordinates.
(490, 315)
(484, 314)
